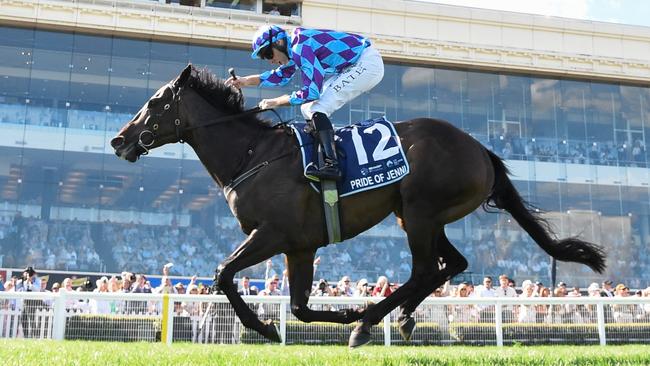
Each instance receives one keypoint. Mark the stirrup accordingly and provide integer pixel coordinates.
(328, 172)
(310, 172)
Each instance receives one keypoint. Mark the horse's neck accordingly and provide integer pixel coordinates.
(223, 147)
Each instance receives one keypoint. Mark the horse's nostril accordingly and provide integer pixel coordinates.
(117, 142)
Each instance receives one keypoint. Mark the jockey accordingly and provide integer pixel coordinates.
(335, 67)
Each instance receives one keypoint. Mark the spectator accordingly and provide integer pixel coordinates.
(344, 288)
(274, 10)
(165, 287)
(486, 312)
(67, 284)
(141, 286)
(9, 304)
(245, 287)
(382, 287)
(575, 292)
(29, 283)
(101, 306)
(542, 311)
(564, 313)
(470, 288)
(113, 284)
(526, 312)
(505, 290)
(322, 289)
(101, 285)
(127, 282)
(363, 290)
(270, 272)
(607, 290)
(271, 288)
(191, 308)
(462, 313)
(623, 313)
(593, 290)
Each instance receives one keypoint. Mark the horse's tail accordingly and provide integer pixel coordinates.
(505, 196)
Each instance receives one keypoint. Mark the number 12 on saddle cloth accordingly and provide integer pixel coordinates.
(371, 157)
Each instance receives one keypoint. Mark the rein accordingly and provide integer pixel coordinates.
(254, 110)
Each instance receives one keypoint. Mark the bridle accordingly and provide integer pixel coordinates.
(176, 99)
(174, 108)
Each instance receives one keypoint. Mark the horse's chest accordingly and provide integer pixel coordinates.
(243, 210)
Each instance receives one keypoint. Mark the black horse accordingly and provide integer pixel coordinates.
(451, 175)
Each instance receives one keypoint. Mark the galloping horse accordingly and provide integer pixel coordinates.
(451, 174)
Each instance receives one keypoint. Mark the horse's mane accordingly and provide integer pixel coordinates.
(215, 91)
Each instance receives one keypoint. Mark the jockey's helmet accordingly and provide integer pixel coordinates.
(264, 39)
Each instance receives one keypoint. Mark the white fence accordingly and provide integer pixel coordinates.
(211, 319)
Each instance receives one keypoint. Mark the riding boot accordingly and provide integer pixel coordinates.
(330, 169)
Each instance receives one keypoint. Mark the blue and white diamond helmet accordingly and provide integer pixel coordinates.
(265, 36)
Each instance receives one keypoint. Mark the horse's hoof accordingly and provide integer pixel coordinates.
(272, 332)
(406, 328)
(360, 336)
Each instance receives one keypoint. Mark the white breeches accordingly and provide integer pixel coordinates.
(342, 88)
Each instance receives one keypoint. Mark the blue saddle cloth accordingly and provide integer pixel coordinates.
(370, 155)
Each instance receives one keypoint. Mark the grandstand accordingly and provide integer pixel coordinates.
(569, 119)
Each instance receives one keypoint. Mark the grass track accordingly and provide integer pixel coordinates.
(51, 353)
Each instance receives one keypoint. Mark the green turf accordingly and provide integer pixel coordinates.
(50, 353)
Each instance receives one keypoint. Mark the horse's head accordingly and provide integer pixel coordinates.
(157, 123)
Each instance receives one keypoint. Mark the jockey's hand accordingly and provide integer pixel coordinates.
(238, 83)
(275, 102)
(266, 103)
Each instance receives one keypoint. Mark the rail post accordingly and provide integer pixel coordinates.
(387, 330)
(600, 315)
(58, 321)
(498, 322)
(283, 321)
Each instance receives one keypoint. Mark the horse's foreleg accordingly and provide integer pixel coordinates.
(260, 245)
(454, 263)
(300, 279)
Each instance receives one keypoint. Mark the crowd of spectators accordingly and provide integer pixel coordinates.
(543, 313)
(607, 152)
(142, 248)
(51, 244)
(274, 285)
(81, 246)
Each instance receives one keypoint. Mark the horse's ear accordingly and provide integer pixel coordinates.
(185, 74)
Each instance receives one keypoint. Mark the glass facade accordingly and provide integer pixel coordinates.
(577, 148)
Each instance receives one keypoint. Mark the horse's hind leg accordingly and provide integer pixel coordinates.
(300, 265)
(260, 245)
(421, 230)
(454, 263)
